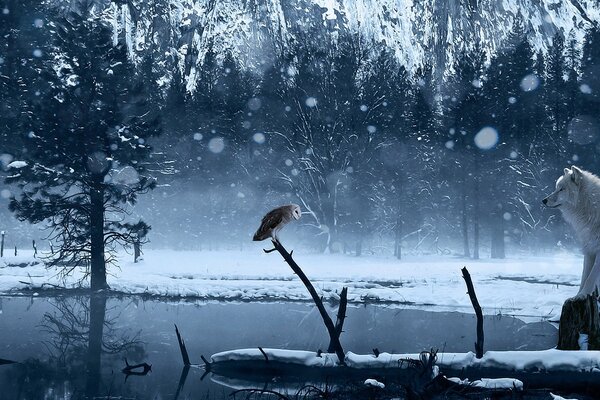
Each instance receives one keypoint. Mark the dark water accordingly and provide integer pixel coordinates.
(74, 347)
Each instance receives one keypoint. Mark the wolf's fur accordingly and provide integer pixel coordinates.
(577, 195)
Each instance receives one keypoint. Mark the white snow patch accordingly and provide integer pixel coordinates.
(17, 164)
(557, 397)
(487, 383)
(374, 383)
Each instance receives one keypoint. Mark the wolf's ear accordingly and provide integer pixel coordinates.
(567, 171)
(576, 175)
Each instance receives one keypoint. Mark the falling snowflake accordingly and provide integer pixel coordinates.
(311, 102)
(530, 82)
(585, 88)
(216, 145)
(259, 137)
(486, 138)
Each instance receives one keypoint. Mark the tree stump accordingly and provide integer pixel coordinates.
(579, 316)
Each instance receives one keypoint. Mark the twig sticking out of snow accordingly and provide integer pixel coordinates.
(264, 354)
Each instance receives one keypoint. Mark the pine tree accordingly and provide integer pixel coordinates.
(23, 39)
(590, 89)
(508, 108)
(555, 86)
(86, 156)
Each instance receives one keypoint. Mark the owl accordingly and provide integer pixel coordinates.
(275, 220)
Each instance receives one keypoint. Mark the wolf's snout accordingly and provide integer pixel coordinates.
(545, 201)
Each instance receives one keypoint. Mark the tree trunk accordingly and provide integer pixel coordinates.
(465, 226)
(399, 223)
(498, 234)
(398, 239)
(97, 262)
(97, 316)
(579, 316)
(476, 213)
(137, 250)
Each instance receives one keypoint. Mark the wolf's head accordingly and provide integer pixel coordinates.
(567, 189)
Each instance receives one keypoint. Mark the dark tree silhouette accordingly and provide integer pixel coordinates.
(86, 154)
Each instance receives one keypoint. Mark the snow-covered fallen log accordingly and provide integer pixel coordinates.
(546, 360)
(548, 368)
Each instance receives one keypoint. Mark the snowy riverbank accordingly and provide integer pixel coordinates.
(532, 287)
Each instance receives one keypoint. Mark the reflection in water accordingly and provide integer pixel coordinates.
(79, 335)
(76, 347)
(97, 315)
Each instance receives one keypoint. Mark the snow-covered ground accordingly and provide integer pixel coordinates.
(529, 287)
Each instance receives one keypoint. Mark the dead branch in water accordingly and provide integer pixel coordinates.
(184, 353)
(333, 336)
(478, 312)
(341, 316)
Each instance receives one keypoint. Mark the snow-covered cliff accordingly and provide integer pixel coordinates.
(256, 31)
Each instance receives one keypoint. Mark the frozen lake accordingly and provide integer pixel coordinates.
(57, 340)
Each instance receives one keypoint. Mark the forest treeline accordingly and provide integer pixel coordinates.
(382, 159)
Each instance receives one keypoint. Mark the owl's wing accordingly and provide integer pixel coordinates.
(269, 222)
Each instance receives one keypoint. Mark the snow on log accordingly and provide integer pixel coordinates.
(546, 360)
(297, 357)
(487, 383)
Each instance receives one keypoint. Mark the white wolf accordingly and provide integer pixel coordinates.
(577, 196)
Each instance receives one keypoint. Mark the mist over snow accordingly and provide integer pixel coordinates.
(149, 151)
